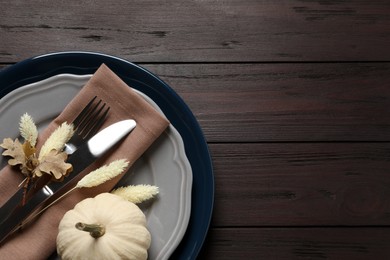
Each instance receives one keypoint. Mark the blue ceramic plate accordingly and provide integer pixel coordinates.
(178, 113)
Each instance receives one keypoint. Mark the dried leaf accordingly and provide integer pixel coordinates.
(14, 149)
(53, 164)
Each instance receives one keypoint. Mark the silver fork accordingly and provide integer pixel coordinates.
(86, 124)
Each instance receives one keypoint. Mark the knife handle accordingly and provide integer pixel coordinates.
(20, 213)
(15, 201)
(12, 203)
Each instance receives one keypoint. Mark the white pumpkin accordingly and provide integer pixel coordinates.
(116, 229)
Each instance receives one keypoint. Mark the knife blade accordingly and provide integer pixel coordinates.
(82, 158)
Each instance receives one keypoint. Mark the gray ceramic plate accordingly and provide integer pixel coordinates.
(164, 164)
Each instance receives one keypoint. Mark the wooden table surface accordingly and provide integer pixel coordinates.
(293, 98)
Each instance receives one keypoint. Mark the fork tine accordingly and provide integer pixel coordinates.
(92, 119)
(77, 121)
(98, 123)
(89, 117)
(95, 121)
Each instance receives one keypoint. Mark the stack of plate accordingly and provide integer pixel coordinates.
(178, 162)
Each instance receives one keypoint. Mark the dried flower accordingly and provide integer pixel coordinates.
(103, 174)
(137, 193)
(57, 139)
(28, 129)
(92, 179)
(51, 159)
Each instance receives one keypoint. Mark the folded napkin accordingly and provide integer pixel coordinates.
(38, 240)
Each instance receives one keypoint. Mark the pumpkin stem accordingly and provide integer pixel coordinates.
(95, 230)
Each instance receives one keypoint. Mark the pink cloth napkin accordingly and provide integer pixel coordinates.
(38, 240)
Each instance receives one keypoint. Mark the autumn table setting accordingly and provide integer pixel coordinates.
(155, 158)
(260, 129)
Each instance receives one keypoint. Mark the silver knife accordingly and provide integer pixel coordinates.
(82, 158)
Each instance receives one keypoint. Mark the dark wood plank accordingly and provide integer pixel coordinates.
(297, 243)
(184, 30)
(285, 102)
(301, 184)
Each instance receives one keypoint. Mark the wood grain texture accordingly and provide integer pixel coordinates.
(301, 184)
(293, 97)
(297, 243)
(285, 102)
(202, 30)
